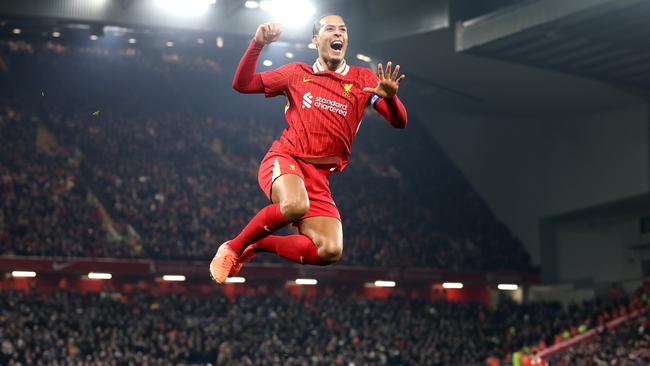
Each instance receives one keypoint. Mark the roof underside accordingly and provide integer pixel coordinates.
(604, 39)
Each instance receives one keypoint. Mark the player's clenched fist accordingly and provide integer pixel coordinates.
(267, 33)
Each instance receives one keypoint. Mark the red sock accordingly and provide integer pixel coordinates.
(296, 248)
(268, 220)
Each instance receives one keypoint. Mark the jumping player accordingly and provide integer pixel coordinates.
(324, 106)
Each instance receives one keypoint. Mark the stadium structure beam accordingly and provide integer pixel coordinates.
(399, 19)
(509, 21)
(126, 3)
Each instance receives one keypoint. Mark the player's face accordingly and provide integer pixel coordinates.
(332, 38)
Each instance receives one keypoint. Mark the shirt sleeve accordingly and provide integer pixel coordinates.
(276, 81)
(371, 82)
(391, 109)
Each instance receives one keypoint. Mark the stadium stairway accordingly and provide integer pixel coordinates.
(46, 143)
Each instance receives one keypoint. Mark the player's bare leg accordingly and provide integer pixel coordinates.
(327, 234)
(289, 191)
(320, 242)
(320, 239)
(290, 203)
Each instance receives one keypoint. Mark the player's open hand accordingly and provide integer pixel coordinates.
(388, 82)
(267, 33)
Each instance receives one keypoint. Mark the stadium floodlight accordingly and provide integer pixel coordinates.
(169, 44)
(312, 46)
(23, 274)
(306, 281)
(17, 31)
(56, 34)
(381, 283)
(452, 285)
(291, 13)
(235, 280)
(185, 7)
(173, 278)
(132, 40)
(266, 5)
(93, 37)
(219, 42)
(252, 4)
(267, 63)
(289, 55)
(99, 276)
(507, 287)
(362, 57)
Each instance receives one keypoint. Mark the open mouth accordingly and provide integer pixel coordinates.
(337, 45)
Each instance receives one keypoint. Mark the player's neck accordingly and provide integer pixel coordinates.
(331, 65)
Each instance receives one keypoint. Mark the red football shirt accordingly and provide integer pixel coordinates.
(323, 108)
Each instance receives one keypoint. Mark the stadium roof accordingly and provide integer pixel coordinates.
(421, 37)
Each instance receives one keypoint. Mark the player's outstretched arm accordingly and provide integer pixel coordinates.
(388, 105)
(246, 79)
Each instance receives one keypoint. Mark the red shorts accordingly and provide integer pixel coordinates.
(275, 164)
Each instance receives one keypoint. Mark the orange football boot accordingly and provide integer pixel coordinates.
(222, 263)
(246, 256)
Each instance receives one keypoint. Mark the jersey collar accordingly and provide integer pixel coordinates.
(342, 70)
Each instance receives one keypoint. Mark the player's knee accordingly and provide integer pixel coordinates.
(330, 252)
(294, 209)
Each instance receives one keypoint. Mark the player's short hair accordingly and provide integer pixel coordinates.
(317, 26)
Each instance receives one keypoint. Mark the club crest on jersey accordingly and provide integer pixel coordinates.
(347, 89)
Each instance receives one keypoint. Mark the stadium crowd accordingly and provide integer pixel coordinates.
(626, 345)
(44, 210)
(70, 328)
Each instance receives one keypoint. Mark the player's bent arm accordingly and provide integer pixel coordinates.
(246, 79)
(392, 110)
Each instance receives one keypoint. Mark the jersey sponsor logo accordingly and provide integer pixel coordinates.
(307, 100)
(331, 105)
(306, 80)
(324, 103)
(347, 88)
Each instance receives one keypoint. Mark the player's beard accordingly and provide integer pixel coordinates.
(334, 59)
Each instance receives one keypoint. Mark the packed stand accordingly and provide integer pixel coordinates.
(67, 327)
(531, 328)
(44, 210)
(171, 151)
(626, 345)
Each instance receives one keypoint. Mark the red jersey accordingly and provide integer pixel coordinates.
(323, 108)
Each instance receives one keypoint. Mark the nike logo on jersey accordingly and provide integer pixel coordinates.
(306, 80)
